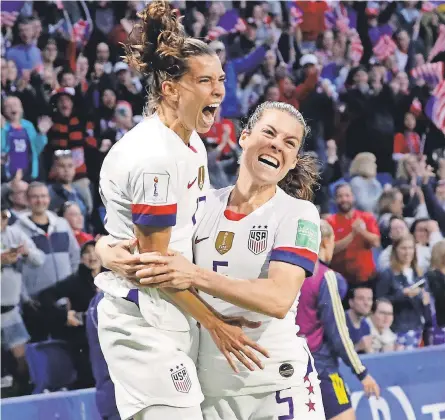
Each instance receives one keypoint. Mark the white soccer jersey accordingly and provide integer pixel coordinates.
(150, 177)
(283, 229)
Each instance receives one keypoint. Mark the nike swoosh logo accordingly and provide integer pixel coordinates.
(190, 184)
(197, 241)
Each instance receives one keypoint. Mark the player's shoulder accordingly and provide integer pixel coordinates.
(145, 143)
(296, 207)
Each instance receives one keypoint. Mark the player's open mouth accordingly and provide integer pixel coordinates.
(209, 111)
(269, 161)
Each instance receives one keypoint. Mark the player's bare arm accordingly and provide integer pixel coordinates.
(272, 296)
(226, 332)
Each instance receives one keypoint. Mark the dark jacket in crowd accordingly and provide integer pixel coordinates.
(409, 313)
(436, 284)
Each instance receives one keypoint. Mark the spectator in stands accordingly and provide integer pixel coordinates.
(71, 132)
(426, 234)
(123, 122)
(25, 54)
(427, 230)
(409, 140)
(105, 113)
(21, 143)
(322, 322)
(231, 107)
(436, 284)
(292, 94)
(407, 169)
(15, 191)
(17, 248)
(364, 184)
(390, 204)
(67, 322)
(330, 172)
(63, 189)
(105, 395)
(71, 212)
(53, 236)
(383, 339)
(410, 301)
(356, 233)
(126, 89)
(360, 304)
(434, 200)
(103, 57)
(49, 54)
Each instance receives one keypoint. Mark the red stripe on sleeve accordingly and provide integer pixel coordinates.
(153, 210)
(302, 252)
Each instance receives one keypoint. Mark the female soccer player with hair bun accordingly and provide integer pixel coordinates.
(254, 246)
(153, 182)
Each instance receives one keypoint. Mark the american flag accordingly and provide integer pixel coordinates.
(435, 107)
(235, 24)
(432, 73)
(240, 26)
(215, 33)
(427, 6)
(384, 48)
(296, 16)
(416, 107)
(81, 32)
(439, 46)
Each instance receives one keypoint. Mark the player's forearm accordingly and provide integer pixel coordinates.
(258, 295)
(103, 250)
(342, 244)
(193, 305)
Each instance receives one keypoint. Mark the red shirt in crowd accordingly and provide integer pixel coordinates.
(408, 142)
(83, 237)
(356, 262)
(217, 131)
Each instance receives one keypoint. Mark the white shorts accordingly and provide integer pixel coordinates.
(148, 366)
(301, 403)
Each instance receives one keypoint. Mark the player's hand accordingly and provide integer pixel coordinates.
(230, 339)
(173, 271)
(120, 260)
(370, 386)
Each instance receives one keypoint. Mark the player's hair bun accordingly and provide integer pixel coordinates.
(156, 43)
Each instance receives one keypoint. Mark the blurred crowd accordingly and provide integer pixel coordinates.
(367, 76)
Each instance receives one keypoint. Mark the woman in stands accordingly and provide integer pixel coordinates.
(254, 246)
(152, 182)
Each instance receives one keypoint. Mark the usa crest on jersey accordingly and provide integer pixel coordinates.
(257, 240)
(181, 379)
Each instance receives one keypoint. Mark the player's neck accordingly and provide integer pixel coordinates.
(246, 197)
(170, 119)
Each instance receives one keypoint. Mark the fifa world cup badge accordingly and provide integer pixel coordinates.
(155, 186)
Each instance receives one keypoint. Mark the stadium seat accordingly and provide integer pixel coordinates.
(50, 365)
(385, 178)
